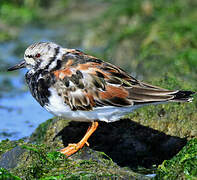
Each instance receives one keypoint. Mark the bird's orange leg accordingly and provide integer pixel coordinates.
(73, 148)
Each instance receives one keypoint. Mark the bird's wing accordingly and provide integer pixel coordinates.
(85, 82)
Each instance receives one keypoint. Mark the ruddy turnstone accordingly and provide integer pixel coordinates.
(71, 84)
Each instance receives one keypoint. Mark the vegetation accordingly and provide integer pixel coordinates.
(14, 14)
(149, 35)
(182, 166)
(42, 162)
(4, 175)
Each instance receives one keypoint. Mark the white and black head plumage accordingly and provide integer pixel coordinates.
(42, 55)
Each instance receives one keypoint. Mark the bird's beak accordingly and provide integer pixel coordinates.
(20, 65)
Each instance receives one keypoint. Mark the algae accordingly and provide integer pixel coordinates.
(181, 166)
(42, 162)
(40, 132)
(5, 175)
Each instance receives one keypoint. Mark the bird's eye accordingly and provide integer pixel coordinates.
(37, 55)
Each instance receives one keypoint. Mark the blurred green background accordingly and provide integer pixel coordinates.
(153, 40)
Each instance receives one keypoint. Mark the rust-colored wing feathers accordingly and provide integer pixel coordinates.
(86, 82)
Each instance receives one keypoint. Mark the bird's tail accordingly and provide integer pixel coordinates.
(148, 94)
(183, 96)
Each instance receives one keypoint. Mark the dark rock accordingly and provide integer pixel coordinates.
(10, 159)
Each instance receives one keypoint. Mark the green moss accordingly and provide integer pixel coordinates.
(182, 166)
(40, 132)
(173, 119)
(42, 162)
(5, 175)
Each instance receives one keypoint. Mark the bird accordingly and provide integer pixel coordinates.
(74, 85)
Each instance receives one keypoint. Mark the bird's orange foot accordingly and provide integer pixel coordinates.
(73, 148)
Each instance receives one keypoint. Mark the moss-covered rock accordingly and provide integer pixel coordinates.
(42, 162)
(182, 166)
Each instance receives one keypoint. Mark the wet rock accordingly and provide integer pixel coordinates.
(10, 159)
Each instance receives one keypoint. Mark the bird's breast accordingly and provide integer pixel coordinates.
(39, 86)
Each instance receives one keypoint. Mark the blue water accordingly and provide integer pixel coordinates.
(20, 114)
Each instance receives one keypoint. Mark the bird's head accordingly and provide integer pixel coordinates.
(42, 55)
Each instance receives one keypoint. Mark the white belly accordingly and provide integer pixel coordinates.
(57, 107)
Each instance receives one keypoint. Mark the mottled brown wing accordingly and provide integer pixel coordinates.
(86, 82)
